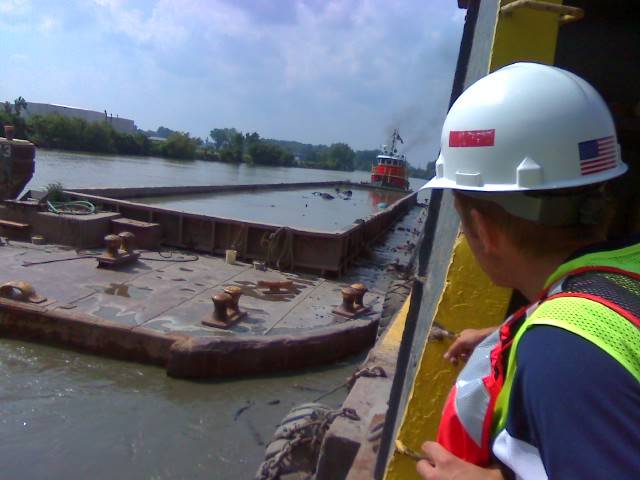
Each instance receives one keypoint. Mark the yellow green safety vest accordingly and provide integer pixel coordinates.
(595, 296)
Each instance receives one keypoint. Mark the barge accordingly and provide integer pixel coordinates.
(204, 296)
(328, 252)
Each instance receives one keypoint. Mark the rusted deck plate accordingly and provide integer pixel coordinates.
(171, 296)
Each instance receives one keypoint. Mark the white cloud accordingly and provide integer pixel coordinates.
(18, 57)
(47, 24)
(15, 7)
(171, 23)
(310, 70)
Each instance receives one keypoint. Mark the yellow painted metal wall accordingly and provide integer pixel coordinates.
(525, 35)
(469, 299)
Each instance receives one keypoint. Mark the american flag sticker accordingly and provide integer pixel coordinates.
(597, 155)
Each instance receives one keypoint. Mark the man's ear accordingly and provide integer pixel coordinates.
(486, 232)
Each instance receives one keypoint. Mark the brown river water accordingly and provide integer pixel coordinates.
(70, 415)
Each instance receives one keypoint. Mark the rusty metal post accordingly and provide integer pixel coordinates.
(9, 132)
(360, 289)
(220, 303)
(112, 243)
(128, 241)
(234, 292)
(348, 298)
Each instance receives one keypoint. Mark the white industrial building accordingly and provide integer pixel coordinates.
(123, 125)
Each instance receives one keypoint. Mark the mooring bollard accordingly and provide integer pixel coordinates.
(234, 292)
(9, 132)
(352, 304)
(348, 298)
(128, 241)
(226, 308)
(360, 289)
(119, 251)
(220, 303)
(112, 242)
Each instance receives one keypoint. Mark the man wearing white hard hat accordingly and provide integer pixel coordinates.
(554, 391)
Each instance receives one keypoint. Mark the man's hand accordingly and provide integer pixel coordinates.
(464, 344)
(443, 465)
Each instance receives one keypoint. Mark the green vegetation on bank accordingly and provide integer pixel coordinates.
(68, 133)
(223, 144)
(232, 146)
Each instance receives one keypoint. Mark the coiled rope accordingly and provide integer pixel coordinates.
(78, 207)
(279, 245)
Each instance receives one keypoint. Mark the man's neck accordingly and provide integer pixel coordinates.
(531, 273)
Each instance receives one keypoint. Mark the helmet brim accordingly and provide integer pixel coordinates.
(442, 182)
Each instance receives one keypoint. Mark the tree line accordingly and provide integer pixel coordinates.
(232, 146)
(223, 144)
(70, 133)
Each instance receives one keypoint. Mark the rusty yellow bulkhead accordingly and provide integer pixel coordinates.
(469, 299)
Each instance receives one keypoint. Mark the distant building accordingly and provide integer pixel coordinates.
(123, 125)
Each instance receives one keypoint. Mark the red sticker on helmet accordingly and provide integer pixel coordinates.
(472, 138)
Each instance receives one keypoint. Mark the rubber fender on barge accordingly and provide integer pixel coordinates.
(294, 448)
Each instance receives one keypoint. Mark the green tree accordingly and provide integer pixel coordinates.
(223, 137)
(98, 137)
(226, 155)
(137, 144)
(218, 137)
(164, 132)
(19, 104)
(229, 144)
(8, 116)
(237, 146)
(251, 138)
(262, 153)
(338, 156)
(179, 145)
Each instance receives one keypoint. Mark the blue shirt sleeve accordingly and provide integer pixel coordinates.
(577, 405)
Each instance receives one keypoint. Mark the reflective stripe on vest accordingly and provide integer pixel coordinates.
(477, 407)
(621, 339)
(472, 397)
(465, 426)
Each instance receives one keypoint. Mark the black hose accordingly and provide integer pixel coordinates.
(176, 260)
(168, 257)
(165, 258)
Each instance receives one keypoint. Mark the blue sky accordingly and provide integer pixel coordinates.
(308, 70)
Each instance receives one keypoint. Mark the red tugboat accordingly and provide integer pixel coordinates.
(392, 170)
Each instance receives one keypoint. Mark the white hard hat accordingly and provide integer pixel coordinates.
(527, 127)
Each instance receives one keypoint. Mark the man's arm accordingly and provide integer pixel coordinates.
(465, 342)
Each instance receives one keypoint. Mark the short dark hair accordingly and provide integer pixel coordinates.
(530, 237)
